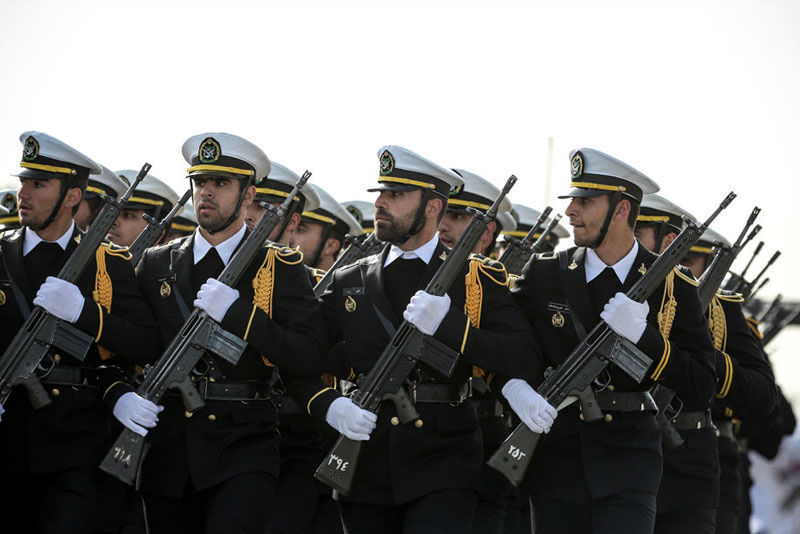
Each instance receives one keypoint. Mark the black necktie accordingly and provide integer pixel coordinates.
(209, 266)
(602, 288)
(401, 279)
(44, 260)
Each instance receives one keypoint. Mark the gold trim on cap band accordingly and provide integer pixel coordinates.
(276, 192)
(406, 181)
(604, 187)
(184, 227)
(652, 218)
(515, 233)
(48, 168)
(141, 200)
(312, 215)
(457, 202)
(97, 190)
(702, 250)
(220, 168)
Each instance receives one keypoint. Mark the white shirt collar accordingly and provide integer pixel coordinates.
(425, 252)
(224, 249)
(594, 265)
(32, 239)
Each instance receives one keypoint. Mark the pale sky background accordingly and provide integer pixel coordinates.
(701, 96)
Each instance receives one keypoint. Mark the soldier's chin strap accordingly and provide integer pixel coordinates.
(235, 214)
(419, 218)
(65, 186)
(615, 198)
(287, 218)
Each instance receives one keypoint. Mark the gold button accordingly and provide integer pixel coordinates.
(395, 421)
(580, 415)
(212, 417)
(607, 418)
(55, 392)
(187, 413)
(418, 423)
(57, 358)
(611, 387)
(211, 379)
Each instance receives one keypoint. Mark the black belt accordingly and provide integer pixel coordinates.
(724, 428)
(70, 376)
(288, 406)
(692, 420)
(450, 393)
(623, 401)
(487, 408)
(251, 390)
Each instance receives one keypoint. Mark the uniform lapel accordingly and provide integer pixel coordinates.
(572, 274)
(436, 261)
(182, 261)
(644, 258)
(12, 254)
(373, 279)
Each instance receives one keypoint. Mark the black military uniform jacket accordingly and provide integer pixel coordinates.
(579, 461)
(75, 429)
(403, 462)
(227, 438)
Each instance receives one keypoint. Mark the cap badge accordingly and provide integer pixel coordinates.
(350, 304)
(165, 290)
(2, 297)
(356, 213)
(642, 269)
(387, 163)
(210, 150)
(577, 165)
(9, 202)
(31, 149)
(572, 266)
(557, 319)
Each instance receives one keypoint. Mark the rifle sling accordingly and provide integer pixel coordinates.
(18, 296)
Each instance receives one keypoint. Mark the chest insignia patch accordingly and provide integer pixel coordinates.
(557, 319)
(350, 304)
(165, 290)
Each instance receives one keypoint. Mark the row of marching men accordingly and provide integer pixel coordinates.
(245, 460)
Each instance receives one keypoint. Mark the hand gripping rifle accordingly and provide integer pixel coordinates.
(154, 229)
(355, 251)
(199, 334)
(42, 330)
(574, 376)
(516, 254)
(407, 348)
(711, 280)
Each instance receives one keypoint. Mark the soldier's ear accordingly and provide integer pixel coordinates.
(73, 197)
(249, 195)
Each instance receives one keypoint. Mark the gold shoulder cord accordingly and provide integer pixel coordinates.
(104, 290)
(474, 293)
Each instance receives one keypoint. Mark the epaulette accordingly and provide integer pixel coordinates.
(729, 296)
(546, 255)
(115, 250)
(287, 255)
(317, 274)
(685, 276)
(494, 270)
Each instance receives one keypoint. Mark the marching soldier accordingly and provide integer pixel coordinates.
(9, 215)
(701, 476)
(525, 218)
(495, 492)
(152, 197)
(49, 456)
(107, 183)
(215, 470)
(321, 232)
(183, 224)
(603, 476)
(419, 477)
(364, 213)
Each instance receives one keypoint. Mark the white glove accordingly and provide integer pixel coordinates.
(626, 317)
(530, 407)
(61, 298)
(350, 420)
(136, 413)
(215, 298)
(427, 312)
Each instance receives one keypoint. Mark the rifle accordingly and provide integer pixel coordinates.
(773, 329)
(407, 348)
(736, 280)
(358, 249)
(41, 330)
(711, 280)
(747, 287)
(199, 334)
(771, 312)
(154, 229)
(516, 254)
(574, 376)
(539, 244)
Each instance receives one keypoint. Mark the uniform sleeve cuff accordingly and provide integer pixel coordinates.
(318, 405)
(454, 330)
(90, 320)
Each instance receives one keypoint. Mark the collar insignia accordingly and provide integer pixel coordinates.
(572, 266)
(642, 269)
